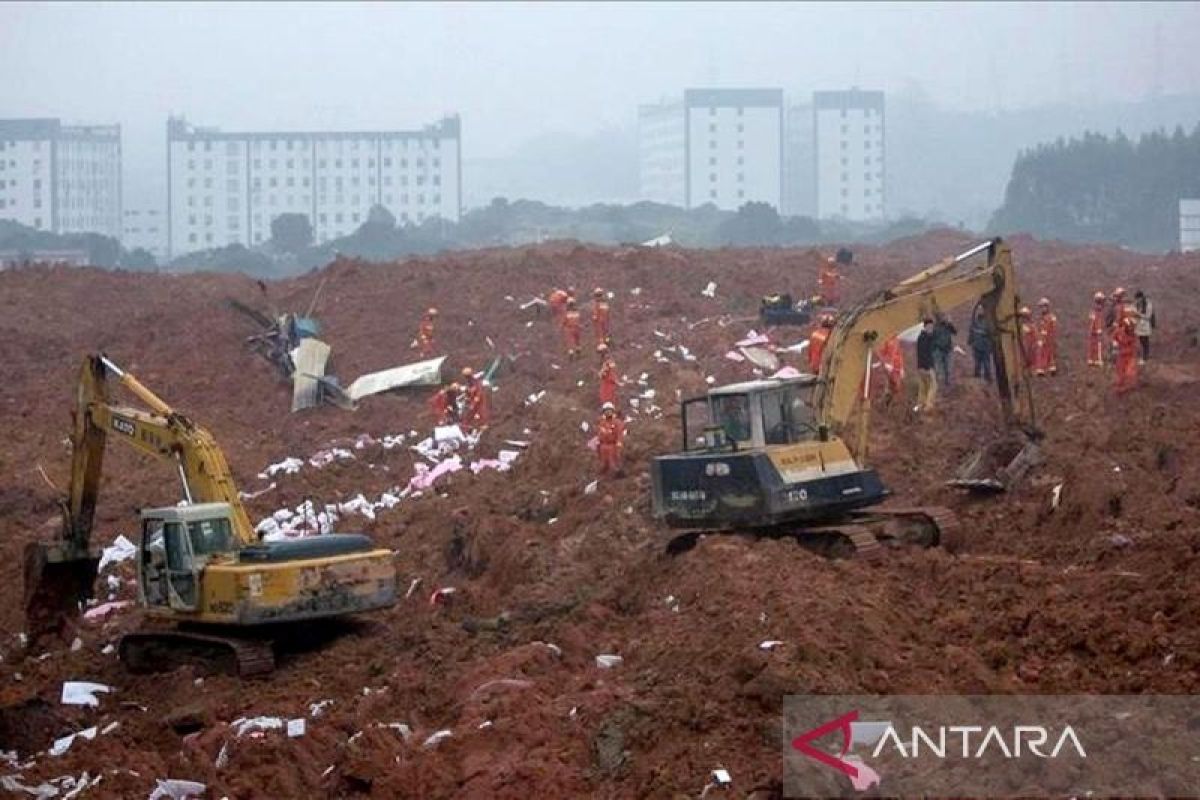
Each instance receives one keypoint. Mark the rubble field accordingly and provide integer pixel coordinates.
(495, 689)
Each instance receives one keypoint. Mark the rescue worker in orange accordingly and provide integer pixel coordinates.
(1047, 340)
(445, 404)
(558, 302)
(829, 283)
(477, 411)
(1118, 312)
(816, 342)
(425, 333)
(892, 359)
(1126, 341)
(600, 317)
(609, 379)
(1029, 337)
(572, 328)
(610, 441)
(1095, 347)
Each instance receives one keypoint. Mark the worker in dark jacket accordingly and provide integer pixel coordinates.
(943, 345)
(926, 379)
(980, 340)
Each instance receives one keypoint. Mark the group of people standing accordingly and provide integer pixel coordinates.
(1119, 333)
(564, 309)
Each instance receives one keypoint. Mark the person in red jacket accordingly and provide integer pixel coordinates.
(1029, 346)
(816, 342)
(1095, 347)
(425, 333)
(1047, 340)
(477, 412)
(609, 379)
(892, 359)
(829, 283)
(572, 329)
(1126, 341)
(445, 404)
(600, 317)
(557, 300)
(610, 441)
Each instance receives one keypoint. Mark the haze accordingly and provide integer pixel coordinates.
(517, 72)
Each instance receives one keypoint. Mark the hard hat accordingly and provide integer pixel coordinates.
(454, 387)
(830, 260)
(1045, 301)
(570, 302)
(1024, 312)
(827, 319)
(467, 372)
(1119, 291)
(570, 290)
(1099, 296)
(597, 292)
(602, 348)
(608, 407)
(432, 311)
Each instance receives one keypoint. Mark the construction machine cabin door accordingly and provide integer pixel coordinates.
(170, 575)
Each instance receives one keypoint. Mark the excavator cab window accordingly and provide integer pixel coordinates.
(181, 567)
(211, 536)
(732, 413)
(786, 417)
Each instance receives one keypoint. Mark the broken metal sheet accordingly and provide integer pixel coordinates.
(310, 358)
(761, 357)
(422, 373)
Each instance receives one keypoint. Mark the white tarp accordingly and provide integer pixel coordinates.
(309, 359)
(422, 373)
(658, 241)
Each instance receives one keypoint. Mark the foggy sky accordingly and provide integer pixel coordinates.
(517, 71)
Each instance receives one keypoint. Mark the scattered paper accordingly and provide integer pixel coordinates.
(173, 789)
(710, 291)
(437, 738)
(769, 644)
(608, 661)
(1056, 495)
(120, 550)
(721, 777)
(591, 487)
(243, 726)
(103, 610)
(295, 728)
(83, 693)
(62, 745)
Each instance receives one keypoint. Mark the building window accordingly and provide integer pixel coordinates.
(323, 218)
(191, 163)
(191, 219)
(192, 238)
(712, 193)
(437, 198)
(741, 127)
(233, 222)
(404, 163)
(741, 194)
(712, 144)
(191, 147)
(843, 117)
(712, 128)
(337, 163)
(712, 161)
(231, 186)
(712, 112)
(387, 162)
(741, 177)
(354, 163)
(866, 192)
(337, 218)
(712, 177)
(291, 182)
(272, 183)
(741, 145)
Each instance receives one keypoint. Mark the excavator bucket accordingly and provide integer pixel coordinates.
(57, 583)
(997, 466)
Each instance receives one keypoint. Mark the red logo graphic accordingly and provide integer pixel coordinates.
(803, 743)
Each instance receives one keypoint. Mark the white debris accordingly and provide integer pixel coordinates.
(721, 777)
(535, 398)
(222, 757)
(109, 728)
(710, 291)
(12, 783)
(508, 456)
(62, 745)
(487, 723)
(412, 587)
(1056, 495)
(289, 466)
(437, 738)
(400, 728)
(243, 726)
(83, 693)
(358, 505)
(516, 443)
(323, 458)
(76, 644)
(635, 291)
(552, 520)
(109, 649)
(120, 550)
(769, 644)
(553, 648)
(591, 487)
(710, 380)
(583, 426)
(295, 728)
(173, 789)
(318, 708)
(608, 661)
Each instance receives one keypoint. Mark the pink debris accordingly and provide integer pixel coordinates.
(103, 610)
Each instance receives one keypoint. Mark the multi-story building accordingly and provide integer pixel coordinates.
(61, 178)
(226, 188)
(850, 156)
(719, 146)
(661, 153)
(145, 229)
(799, 163)
(1189, 225)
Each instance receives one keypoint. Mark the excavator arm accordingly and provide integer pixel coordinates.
(59, 574)
(847, 358)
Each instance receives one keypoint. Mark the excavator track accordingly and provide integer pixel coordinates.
(162, 651)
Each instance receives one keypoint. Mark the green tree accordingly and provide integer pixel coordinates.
(291, 232)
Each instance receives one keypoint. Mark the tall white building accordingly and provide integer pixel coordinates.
(850, 155)
(799, 163)
(719, 146)
(145, 228)
(1189, 225)
(61, 178)
(226, 188)
(661, 153)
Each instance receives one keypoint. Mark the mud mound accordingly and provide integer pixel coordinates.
(1096, 594)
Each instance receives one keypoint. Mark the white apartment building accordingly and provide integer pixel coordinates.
(661, 153)
(61, 178)
(799, 163)
(226, 188)
(725, 146)
(145, 228)
(1189, 225)
(850, 155)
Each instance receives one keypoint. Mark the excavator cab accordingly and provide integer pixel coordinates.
(753, 455)
(177, 544)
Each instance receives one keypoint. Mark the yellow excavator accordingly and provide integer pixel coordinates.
(209, 586)
(771, 455)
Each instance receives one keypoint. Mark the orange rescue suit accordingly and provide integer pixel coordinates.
(571, 331)
(816, 348)
(1047, 344)
(425, 336)
(608, 382)
(479, 404)
(600, 319)
(829, 284)
(610, 440)
(1126, 342)
(1095, 346)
